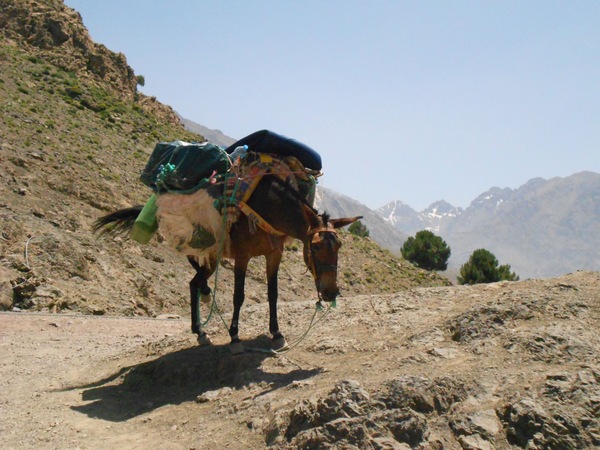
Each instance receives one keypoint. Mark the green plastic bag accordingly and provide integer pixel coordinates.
(146, 223)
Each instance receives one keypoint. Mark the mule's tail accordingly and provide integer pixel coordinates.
(118, 222)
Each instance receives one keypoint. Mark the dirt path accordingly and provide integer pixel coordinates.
(496, 366)
(105, 382)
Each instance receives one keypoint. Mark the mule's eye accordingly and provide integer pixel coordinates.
(317, 245)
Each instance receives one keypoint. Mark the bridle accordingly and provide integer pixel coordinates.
(317, 267)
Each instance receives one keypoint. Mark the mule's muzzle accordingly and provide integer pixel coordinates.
(329, 296)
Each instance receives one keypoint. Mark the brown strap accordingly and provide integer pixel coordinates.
(256, 218)
(243, 205)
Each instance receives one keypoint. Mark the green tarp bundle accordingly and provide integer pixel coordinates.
(183, 166)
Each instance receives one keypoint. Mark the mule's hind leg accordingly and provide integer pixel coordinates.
(278, 342)
(199, 290)
(241, 265)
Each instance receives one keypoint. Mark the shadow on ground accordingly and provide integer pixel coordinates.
(179, 377)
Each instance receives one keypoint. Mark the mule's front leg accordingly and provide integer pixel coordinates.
(199, 286)
(241, 265)
(278, 341)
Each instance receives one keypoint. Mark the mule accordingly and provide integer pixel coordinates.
(287, 212)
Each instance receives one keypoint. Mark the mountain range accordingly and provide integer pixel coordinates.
(542, 229)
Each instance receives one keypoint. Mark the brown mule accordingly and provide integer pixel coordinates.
(286, 211)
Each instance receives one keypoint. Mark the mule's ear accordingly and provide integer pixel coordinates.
(313, 218)
(339, 223)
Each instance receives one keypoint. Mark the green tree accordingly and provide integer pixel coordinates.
(482, 267)
(141, 81)
(427, 251)
(359, 229)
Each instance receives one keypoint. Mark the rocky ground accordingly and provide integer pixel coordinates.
(506, 365)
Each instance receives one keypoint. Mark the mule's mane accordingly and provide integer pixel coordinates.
(295, 193)
(287, 186)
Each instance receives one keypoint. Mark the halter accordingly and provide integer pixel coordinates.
(316, 267)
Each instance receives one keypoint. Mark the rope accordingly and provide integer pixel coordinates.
(27, 252)
(214, 305)
(311, 325)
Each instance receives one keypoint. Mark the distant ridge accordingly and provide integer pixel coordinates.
(544, 228)
(338, 205)
(215, 136)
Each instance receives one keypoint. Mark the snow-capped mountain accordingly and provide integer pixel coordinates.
(437, 215)
(406, 219)
(401, 216)
(338, 205)
(543, 228)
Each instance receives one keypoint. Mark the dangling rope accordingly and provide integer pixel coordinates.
(311, 325)
(226, 201)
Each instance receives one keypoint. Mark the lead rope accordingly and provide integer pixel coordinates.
(311, 325)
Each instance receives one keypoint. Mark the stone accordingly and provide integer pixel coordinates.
(384, 443)
(475, 442)
(211, 396)
(486, 422)
(6, 288)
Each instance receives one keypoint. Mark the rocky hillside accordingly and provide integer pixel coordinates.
(74, 136)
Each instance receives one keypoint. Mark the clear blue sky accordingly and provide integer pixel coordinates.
(405, 100)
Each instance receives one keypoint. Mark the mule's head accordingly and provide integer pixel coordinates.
(321, 253)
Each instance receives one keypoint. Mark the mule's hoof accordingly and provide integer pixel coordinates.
(236, 348)
(203, 339)
(279, 344)
(205, 299)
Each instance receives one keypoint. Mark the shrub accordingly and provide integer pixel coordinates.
(359, 229)
(482, 267)
(427, 251)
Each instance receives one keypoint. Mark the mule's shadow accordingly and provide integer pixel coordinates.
(179, 377)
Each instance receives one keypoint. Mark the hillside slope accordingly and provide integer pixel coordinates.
(74, 136)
